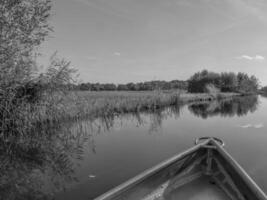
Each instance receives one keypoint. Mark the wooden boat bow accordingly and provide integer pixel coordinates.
(207, 160)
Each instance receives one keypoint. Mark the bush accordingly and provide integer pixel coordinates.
(210, 88)
(30, 92)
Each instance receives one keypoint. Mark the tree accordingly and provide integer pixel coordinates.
(23, 26)
(229, 82)
(199, 80)
(122, 87)
(109, 87)
(263, 90)
(85, 86)
(241, 77)
(247, 84)
(226, 82)
(254, 82)
(130, 86)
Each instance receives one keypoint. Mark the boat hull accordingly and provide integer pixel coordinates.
(206, 166)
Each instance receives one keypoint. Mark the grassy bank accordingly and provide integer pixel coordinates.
(97, 104)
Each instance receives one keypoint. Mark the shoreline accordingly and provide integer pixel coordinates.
(195, 97)
(82, 105)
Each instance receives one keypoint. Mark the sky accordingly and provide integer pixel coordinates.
(124, 41)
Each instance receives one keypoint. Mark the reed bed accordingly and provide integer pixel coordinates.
(77, 105)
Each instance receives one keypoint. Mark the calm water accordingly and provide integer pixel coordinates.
(123, 147)
(86, 158)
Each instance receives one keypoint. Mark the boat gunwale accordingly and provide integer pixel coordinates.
(149, 172)
(241, 172)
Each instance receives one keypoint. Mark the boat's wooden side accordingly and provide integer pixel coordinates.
(248, 188)
(207, 160)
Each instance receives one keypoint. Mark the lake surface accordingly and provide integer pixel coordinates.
(120, 148)
(86, 158)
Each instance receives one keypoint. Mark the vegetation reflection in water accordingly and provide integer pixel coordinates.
(238, 106)
(42, 166)
(46, 164)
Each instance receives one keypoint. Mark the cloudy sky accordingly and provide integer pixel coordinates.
(136, 40)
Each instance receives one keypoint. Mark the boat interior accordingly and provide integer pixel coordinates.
(201, 175)
(201, 188)
(205, 171)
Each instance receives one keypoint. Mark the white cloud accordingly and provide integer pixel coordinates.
(246, 126)
(252, 126)
(246, 57)
(92, 176)
(117, 54)
(259, 57)
(255, 58)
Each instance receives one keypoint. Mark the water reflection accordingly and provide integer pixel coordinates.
(238, 106)
(157, 118)
(39, 165)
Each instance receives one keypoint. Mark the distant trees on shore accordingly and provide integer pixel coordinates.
(264, 90)
(224, 82)
(141, 86)
(200, 82)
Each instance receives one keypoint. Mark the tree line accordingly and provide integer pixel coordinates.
(224, 82)
(200, 82)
